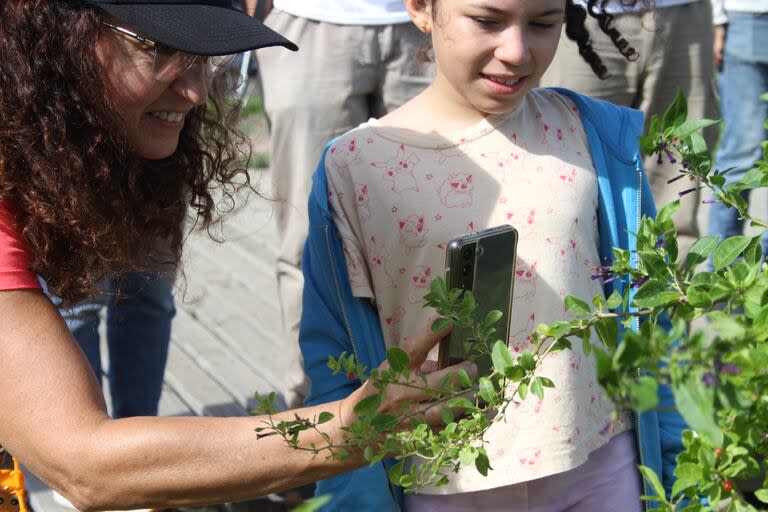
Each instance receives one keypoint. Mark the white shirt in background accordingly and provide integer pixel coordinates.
(347, 12)
(719, 8)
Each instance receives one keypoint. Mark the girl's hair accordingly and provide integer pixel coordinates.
(576, 30)
(87, 206)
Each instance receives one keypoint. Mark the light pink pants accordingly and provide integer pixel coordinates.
(609, 481)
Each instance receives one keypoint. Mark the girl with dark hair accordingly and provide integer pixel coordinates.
(111, 128)
(481, 147)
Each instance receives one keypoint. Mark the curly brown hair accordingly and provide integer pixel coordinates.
(89, 207)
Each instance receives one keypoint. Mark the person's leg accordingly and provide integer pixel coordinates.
(680, 58)
(138, 334)
(406, 70)
(310, 97)
(744, 79)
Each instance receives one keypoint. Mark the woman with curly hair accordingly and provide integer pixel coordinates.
(111, 128)
(479, 148)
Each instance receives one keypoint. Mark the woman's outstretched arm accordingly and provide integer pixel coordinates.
(54, 420)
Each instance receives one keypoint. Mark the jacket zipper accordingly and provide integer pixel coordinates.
(637, 327)
(348, 327)
(345, 316)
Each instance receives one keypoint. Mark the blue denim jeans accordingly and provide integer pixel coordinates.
(140, 308)
(743, 80)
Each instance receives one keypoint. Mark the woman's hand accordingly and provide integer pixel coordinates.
(400, 398)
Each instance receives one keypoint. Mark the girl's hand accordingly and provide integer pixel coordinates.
(399, 398)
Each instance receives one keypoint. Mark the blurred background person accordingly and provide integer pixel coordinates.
(741, 52)
(358, 60)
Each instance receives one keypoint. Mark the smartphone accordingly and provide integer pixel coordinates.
(483, 263)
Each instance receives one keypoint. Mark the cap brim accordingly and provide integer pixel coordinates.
(198, 29)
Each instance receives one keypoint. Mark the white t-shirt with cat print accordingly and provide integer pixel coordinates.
(398, 196)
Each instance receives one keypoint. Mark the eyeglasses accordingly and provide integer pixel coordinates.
(168, 64)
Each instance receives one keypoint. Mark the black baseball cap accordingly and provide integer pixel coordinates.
(200, 27)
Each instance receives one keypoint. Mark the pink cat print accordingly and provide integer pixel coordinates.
(524, 220)
(554, 138)
(521, 339)
(413, 233)
(457, 191)
(392, 324)
(530, 457)
(420, 283)
(345, 154)
(510, 165)
(378, 266)
(399, 170)
(355, 267)
(525, 280)
(362, 201)
(565, 184)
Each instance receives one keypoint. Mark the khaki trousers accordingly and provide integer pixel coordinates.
(341, 76)
(675, 47)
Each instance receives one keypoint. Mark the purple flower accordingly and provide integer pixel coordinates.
(685, 165)
(730, 369)
(637, 283)
(660, 243)
(671, 158)
(676, 178)
(659, 161)
(687, 191)
(709, 379)
(710, 201)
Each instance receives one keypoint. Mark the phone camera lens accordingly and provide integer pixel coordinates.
(467, 269)
(466, 253)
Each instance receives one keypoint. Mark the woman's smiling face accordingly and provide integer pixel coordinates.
(153, 111)
(490, 53)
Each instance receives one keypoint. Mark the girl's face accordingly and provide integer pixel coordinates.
(490, 53)
(152, 111)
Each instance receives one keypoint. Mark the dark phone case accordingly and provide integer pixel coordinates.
(491, 279)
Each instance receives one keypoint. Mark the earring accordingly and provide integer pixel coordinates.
(424, 28)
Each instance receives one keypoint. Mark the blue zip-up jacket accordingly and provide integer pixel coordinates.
(334, 321)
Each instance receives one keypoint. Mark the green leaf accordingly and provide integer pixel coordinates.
(324, 417)
(313, 504)
(664, 216)
(688, 127)
(527, 361)
(695, 401)
(537, 389)
(383, 421)
(482, 463)
(701, 250)
(460, 403)
(492, 317)
(514, 373)
(547, 383)
(486, 389)
(501, 357)
(406, 481)
(441, 324)
(644, 393)
(608, 332)
(762, 495)
(654, 294)
(522, 390)
(464, 379)
(576, 306)
(447, 416)
(368, 405)
(729, 250)
(653, 480)
(689, 471)
(753, 254)
(614, 301)
(467, 455)
(676, 113)
(397, 358)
